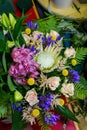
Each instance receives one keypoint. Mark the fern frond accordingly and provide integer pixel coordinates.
(41, 123)
(81, 54)
(81, 89)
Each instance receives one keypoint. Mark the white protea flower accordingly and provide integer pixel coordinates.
(48, 58)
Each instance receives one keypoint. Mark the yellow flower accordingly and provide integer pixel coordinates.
(73, 62)
(35, 112)
(65, 72)
(53, 37)
(32, 43)
(31, 81)
(27, 31)
(61, 102)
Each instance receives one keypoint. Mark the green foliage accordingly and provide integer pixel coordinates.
(3, 111)
(18, 27)
(18, 123)
(10, 83)
(41, 123)
(4, 62)
(2, 41)
(81, 54)
(64, 111)
(47, 24)
(80, 89)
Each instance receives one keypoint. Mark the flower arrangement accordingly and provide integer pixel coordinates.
(37, 74)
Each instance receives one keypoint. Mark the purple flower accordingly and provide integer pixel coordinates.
(19, 108)
(32, 25)
(45, 101)
(51, 119)
(33, 49)
(23, 65)
(74, 76)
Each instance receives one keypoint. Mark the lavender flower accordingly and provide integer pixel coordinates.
(45, 101)
(51, 119)
(74, 76)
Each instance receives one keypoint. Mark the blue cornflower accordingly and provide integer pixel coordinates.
(51, 119)
(74, 76)
(45, 101)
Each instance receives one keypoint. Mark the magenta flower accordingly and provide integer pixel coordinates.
(23, 65)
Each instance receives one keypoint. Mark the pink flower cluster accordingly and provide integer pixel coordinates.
(23, 65)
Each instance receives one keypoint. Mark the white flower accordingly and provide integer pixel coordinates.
(70, 52)
(27, 116)
(45, 60)
(35, 35)
(31, 97)
(67, 89)
(53, 82)
(26, 38)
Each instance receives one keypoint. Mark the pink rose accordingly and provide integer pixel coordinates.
(31, 97)
(53, 82)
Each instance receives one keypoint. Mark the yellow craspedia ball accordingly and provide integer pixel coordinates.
(65, 72)
(53, 37)
(32, 43)
(27, 31)
(31, 81)
(61, 102)
(73, 62)
(35, 112)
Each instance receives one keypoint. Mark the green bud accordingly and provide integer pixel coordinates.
(12, 20)
(5, 20)
(18, 96)
(10, 44)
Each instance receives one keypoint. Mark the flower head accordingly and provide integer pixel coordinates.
(67, 89)
(23, 65)
(74, 76)
(51, 119)
(31, 97)
(45, 101)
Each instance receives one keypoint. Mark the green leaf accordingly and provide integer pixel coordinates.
(18, 123)
(2, 41)
(10, 84)
(3, 111)
(4, 95)
(80, 89)
(4, 62)
(42, 123)
(81, 54)
(66, 113)
(18, 27)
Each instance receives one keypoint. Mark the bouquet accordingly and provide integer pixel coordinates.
(38, 78)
